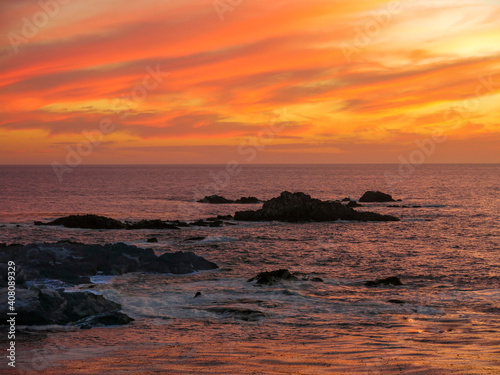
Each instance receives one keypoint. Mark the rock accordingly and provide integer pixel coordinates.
(86, 222)
(248, 200)
(102, 222)
(273, 277)
(74, 263)
(197, 238)
(393, 280)
(215, 199)
(398, 301)
(178, 263)
(300, 207)
(346, 199)
(354, 204)
(376, 196)
(152, 240)
(20, 277)
(224, 217)
(49, 306)
(197, 294)
(238, 312)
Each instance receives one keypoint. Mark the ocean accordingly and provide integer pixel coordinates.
(444, 319)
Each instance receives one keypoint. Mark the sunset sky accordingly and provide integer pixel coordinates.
(295, 81)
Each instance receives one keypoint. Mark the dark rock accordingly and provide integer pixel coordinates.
(394, 206)
(201, 223)
(393, 280)
(376, 196)
(197, 238)
(197, 294)
(215, 199)
(20, 277)
(102, 222)
(297, 207)
(346, 199)
(417, 206)
(398, 301)
(248, 200)
(238, 312)
(86, 222)
(48, 306)
(73, 263)
(273, 277)
(178, 263)
(354, 204)
(152, 240)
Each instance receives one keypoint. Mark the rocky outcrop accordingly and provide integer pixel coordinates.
(354, 204)
(178, 263)
(86, 222)
(102, 222)
(393, 280)
(49, 306)
(273, 277)
(300, 207)
(376, 196)
(73, 263)
(217, 199)
(248, 200)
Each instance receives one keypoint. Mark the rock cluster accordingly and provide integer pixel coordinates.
(217, 199)
(49, 306)
(300, 207)
(73, 263)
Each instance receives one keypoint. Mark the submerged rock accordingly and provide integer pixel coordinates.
(49, 306)
(74, 263)
(273, 277)
(393, 280)
(296, 207)
(376, 196)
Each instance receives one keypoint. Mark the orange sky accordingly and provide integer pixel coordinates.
(258, 81)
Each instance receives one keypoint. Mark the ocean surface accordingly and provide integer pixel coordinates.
(446, 252)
